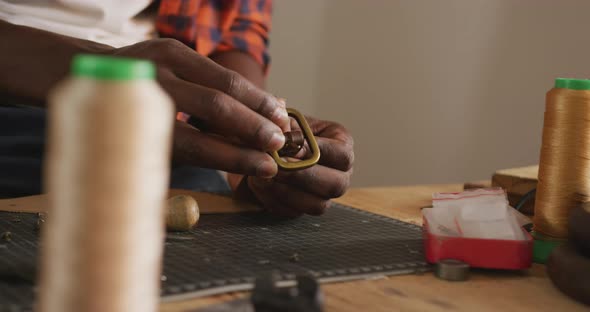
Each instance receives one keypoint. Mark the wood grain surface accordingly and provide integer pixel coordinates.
(208, 203)
(495, 291)
(517, 182)
(528, 290)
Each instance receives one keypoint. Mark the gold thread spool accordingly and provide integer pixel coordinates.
(107, 170)
(564, 166)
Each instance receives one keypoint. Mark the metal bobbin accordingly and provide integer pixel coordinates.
(452, 270)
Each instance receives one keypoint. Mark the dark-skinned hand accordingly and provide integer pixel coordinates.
(231, 108)
(308, 191)
(243, 123)
(241, 119)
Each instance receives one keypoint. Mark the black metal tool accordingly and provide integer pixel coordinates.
(306, 296)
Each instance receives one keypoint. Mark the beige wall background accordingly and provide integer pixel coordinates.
(433, 91)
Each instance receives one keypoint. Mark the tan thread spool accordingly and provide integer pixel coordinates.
(564, 166)
(107, 171)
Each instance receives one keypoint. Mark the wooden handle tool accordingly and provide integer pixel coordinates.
(182, 213)
(208, 203)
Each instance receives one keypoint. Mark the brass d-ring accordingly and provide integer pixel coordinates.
(311, 142)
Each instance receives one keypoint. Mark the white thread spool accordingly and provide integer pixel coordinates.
(107, 171)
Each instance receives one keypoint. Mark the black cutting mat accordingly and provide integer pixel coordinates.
(227, 251)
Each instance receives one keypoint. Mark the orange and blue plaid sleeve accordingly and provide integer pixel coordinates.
(212, 26)
(249, 30)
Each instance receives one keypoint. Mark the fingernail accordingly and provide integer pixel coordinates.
(282, 102)
(266, 169)
(277, 141)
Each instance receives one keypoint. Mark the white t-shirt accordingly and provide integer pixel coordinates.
(112, 22)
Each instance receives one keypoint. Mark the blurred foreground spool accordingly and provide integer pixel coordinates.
(107, 169)
(564, 167)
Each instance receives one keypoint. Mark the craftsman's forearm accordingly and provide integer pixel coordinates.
(32, 61)
(243, 64)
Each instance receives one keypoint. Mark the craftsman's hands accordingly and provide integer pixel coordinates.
(229, 106)
(237, 114)
(292, 193)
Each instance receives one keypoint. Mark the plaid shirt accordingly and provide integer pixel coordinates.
(212, 26)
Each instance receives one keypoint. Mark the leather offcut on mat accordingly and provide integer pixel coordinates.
(226, 252)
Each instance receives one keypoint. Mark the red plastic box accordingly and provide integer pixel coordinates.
(479, 253)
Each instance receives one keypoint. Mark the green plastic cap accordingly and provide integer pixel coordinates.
(573, 84)
(112, 68)
(543, 246)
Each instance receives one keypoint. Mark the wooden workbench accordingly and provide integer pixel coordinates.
(486, 290)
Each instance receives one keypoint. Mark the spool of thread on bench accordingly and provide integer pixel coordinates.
(107, 171)
(564, 166)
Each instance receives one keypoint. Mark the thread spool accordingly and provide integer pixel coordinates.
(107, 170)
(564, 166)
